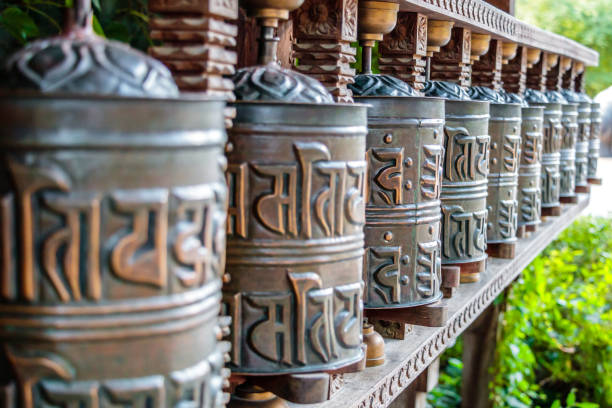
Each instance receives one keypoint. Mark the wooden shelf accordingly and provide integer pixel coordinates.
(406, 359)
(482, 17)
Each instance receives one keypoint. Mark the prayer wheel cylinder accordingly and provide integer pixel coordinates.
(113, 245)
(582, 144)
(505, 132)
(550, 175)
(569, 121)
(402, 234)
(297, 181)
(529, 195)
(464, 184)
(594, 142)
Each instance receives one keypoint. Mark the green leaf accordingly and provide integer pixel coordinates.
(19, 24)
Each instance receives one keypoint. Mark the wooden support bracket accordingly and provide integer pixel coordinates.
(583, 189)
(451, 277)
(569, 200)
(595, 181)
(434, 315)
(551, 211)
(504, 250)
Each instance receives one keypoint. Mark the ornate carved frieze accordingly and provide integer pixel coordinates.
(487, 71)
(529, 195)
(402, 52)
(323, 31)
(405, 159)
(464, 185)
(514, 73)
(295, 237)
(113, 245)
(197, 41)
(452, 63)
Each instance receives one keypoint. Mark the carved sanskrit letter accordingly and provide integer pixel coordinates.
(271, 208)
(308, 153)
(128, 259)
(508, 218)
(532, 148)
(448, 227)
(28, 179)
(430, 183)
(464, 164)
(190, 385)
(72, 206)
(383, 263)
(30, 369)
(355, 197)
(271, 337)
(79, 394)
(530, 204)
(482, 156)
(144, 392)
(348, 318)
(236, 213)
(232, 306)
(512, 148)
(389, 179)
(322, 330)
(194, 233)
(480, 230)
(429, 259)
(329, 204)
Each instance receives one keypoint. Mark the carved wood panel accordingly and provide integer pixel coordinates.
(487, 71)
(452, 63)
(536, 75)
(514, 73)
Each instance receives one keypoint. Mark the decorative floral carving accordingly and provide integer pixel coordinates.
(349, 26)
(319, 18)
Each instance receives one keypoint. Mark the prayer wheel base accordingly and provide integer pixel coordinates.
(583, 189)
(532, 228)
(451, 277)
(432, 315)
(504, 250)
(470, 271)
(250, 396)
(595, 181)
(521, 232)
(551, 211)
(569, 200)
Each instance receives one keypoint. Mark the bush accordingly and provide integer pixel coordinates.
(555, 336)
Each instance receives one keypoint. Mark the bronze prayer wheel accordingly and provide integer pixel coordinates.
(112, 207)
(504, 153)
(569, 121)
(297, 180)
(594, 142)
(583, 136)
(529, 195)
(550, 176)
(402, 234)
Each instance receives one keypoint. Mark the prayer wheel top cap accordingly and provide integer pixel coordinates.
(271, 82)
(575, 97)
(481, 93)
(514, 98)
(446, 90)
(380, 85)
(535, 96)
(556, 96)
(81, 62)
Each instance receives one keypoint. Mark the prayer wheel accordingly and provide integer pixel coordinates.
(113, 230)
(529, 196)
(464, 182)
(551, 147)
(297, 185)
(402, 233)
(582, 141)
(594, 143)
(569, 121)
(502, 206)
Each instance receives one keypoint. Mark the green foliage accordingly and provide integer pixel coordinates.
(585, 21)
(22, 21)
(554, 345)
(556, 333)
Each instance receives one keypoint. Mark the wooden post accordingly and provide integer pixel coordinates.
(479, 342)
(554, 76)
(569, 77)
(196, 40)
(536, 75)
(402, 52)
(514, 73)
(487, 71)
(452, 63)
(323, 31)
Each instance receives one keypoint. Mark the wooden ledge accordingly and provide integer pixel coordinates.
(406, 359)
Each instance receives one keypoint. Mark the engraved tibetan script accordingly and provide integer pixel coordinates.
(429, 268)
(464, 232)
(431, 179)
(466, 156)
(511, 153)
(384, 268)
(386, 168)
(531, 153)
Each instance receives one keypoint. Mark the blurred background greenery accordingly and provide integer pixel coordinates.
(588, 22)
